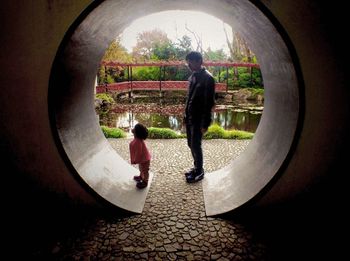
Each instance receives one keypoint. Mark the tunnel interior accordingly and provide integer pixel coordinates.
(41, 197)
(71, 99)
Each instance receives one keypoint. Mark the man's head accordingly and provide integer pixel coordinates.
(194, 60)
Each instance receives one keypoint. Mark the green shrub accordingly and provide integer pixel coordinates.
(256, 91)
(238, 135)
(110, 79)
(150, 73)
(217, 132)
(214, 132)
(244, 80)
(113, 132)
(163, 133)
(105, 97)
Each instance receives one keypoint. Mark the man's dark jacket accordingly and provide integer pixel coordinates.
(200, 98)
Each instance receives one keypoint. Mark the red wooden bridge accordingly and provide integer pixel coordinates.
(151, 85)
(161, 85)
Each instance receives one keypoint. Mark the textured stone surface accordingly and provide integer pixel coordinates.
(173, 225)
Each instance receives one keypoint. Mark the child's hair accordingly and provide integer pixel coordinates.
(140, 131)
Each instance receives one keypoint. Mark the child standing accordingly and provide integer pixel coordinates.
(139, 154)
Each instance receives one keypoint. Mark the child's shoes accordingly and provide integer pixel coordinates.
(137, 178)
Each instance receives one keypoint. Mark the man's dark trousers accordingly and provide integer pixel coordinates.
(194, 142)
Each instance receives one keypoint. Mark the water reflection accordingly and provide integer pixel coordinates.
(125, 116)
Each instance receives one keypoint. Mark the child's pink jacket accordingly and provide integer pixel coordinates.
(138, 151)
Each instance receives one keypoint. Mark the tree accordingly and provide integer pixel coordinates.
(238, 47)
(155, 45)
(115, 52)
(216, 55)
(164, 51)
(185, 43)
(183, 47)
(147, 41)
(198, 39)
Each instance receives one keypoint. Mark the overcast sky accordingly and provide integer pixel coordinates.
(173, 23)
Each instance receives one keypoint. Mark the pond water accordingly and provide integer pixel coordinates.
(169, 115)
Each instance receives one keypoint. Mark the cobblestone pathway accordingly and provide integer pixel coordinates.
(173, 225)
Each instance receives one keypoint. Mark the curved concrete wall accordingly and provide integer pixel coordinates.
(108, 174)
(317, 161)
(35, 155)
(30, 36)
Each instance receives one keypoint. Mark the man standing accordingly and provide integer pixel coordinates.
(199, 103)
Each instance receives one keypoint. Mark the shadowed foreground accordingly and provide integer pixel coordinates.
(173, 225)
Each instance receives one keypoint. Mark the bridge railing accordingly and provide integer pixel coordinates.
(161, 85)
(151, 85)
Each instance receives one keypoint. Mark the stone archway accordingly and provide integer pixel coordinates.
(102, 168)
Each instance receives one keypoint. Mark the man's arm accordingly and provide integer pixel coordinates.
(209, 101)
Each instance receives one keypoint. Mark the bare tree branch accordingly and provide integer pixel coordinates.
(197, 38)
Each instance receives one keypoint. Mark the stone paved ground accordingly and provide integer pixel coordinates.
(173, 225)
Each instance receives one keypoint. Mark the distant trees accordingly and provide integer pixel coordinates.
(240, 52)
(184, 46)
(197, 38)
(155, 45)
(114, 52)
(148, 42)
(215, 55)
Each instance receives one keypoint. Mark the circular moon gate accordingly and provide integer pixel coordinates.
(72, 99)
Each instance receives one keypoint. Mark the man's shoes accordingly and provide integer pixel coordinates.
(188, 173)
(141, 184)
(195, 176)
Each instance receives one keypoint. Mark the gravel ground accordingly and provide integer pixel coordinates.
(173, 225)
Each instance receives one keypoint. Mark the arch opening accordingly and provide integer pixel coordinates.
(106, 172)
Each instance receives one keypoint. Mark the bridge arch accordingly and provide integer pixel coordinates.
(103, 169)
